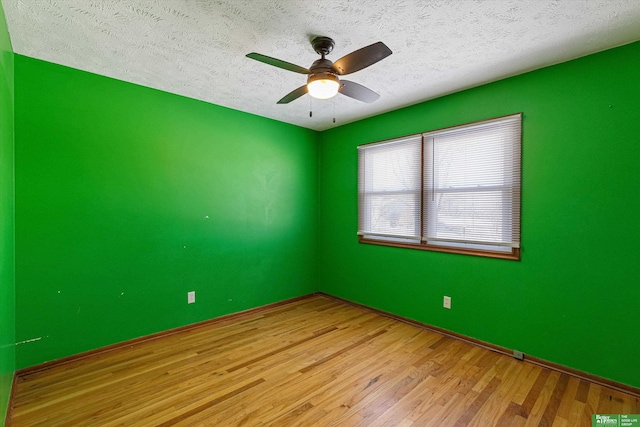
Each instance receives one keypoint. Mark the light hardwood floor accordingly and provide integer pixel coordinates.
(313, 362)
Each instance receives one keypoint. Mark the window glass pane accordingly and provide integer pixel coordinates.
(477, 216)
(468, 160)
(389, 186)
(394, 214)
(392, 168)
(472, 183)
(479, 247)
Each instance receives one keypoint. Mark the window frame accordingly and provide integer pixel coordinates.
(512, 254)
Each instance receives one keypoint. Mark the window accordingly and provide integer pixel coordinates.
(450, 190)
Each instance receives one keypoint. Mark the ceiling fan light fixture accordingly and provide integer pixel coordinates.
(323, 85)
(323, 81)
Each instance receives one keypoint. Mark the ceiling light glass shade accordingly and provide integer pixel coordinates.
(323, 85)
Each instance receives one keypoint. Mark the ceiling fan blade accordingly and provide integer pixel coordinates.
(361, 58)
(278, 63)
(294, 94)
(357, 91)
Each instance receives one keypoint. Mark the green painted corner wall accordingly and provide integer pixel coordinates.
(128, 197)
(573, 298)
(7, 224)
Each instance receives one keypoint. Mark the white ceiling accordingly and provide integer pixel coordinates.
(197, 48)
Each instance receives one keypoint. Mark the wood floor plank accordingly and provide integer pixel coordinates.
(481, 399)
(494, 410)
(577, 417)
(312, 362)
(538, 410)
(565, 402)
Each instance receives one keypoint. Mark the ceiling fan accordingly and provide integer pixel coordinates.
(323, 81)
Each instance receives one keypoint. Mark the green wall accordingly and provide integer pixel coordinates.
(574, 297)
(7, 206)
(128, 197)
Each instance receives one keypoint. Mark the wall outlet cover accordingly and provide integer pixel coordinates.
(191, 297)
(446, 302)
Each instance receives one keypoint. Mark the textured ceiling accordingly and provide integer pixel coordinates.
(197, 48)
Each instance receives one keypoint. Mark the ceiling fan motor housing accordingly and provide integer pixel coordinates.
(322, 75)
(321, 70)
(320, 66)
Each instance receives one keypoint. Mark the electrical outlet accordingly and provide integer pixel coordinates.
(446, 302)
(191, 297)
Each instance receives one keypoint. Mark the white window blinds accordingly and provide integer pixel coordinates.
(455, 188)
(389, 199)
(472, 184)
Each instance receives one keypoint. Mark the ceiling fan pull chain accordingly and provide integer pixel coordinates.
(310, 106)
(334, 110)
